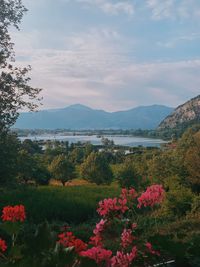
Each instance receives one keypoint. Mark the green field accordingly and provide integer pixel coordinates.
(73, 204)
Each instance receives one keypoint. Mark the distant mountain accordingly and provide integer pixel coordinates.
(183, 115)
(80, 117)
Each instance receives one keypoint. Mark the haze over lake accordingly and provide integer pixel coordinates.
(131, 141)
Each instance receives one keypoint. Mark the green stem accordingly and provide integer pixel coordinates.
(3, 256)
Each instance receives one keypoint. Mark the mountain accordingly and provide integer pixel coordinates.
(80, 117)
(185, 114)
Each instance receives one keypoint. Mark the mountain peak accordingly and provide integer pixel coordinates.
(79, 107)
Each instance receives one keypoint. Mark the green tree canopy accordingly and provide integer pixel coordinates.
(128, 176)
(96, 169)
(62, 169)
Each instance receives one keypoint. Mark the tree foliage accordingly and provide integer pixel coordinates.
(128, 176)
(96, 169)
(15, 92)
(62, 169)
(9, 146)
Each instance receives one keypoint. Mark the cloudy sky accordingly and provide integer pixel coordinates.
(112, 54)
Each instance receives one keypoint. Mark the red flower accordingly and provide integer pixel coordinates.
(3, 245)
(98, 254)
(79, 245)
(69, 240)
(14, 214)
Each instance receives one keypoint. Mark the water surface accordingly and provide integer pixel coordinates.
(130, 141)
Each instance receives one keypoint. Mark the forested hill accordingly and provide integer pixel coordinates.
(184, 115)
(80, 117)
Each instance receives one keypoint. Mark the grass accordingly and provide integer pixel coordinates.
(72, 204)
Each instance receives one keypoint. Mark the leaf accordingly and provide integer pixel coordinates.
(88, 262)
(16, 252)
(11, 227)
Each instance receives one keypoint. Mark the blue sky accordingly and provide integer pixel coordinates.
(112, 54)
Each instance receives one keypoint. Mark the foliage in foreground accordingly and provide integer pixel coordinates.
(116, 241)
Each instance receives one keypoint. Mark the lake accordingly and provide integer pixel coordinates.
(130, 141)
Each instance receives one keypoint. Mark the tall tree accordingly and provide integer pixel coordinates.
(15, 92)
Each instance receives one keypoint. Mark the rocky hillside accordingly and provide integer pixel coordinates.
(184, 114)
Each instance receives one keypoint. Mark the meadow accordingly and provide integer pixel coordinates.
(70, 204)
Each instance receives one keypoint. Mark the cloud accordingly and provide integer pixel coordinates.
(173, 42)
(173, 9)
(94, 69)
(110, 7)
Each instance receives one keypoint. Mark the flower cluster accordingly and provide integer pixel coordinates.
(96, 240)
(126, 238)
(129, 194)
(69, 240)
(13, 213)
(124, 259)
(3, 245)
(98, 254)
(112, 205)
(153, 195)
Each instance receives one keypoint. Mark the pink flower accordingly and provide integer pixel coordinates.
(128, 194)
(134, 226)
(126, 238)
(99, 227)
(151, 250)
(112, 205)
(96, 240)
(122, 259)
(153, 195)
(98, 254)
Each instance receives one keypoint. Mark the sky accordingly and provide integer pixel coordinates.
(111, 54)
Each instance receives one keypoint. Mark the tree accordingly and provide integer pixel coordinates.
(42, 175)
(107, 143)
(9, 146)
(128, 176)
(77, 155)
(62, 169)
(192, 163)
(26, 166)
(96, 169)
(15, 93)
(32, 147)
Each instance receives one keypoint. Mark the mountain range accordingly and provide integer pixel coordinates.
(80, 117)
